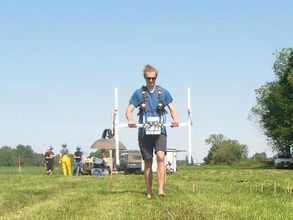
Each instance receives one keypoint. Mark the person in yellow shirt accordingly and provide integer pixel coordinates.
(65, 161)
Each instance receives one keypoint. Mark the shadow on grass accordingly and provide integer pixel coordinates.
(120, 192)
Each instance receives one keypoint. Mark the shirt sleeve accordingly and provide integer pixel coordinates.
(167, 97)
(135, 98)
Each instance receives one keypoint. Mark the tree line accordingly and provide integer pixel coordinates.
(21, 155)
(222, 151)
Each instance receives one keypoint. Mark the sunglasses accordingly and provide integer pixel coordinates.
(151, 78)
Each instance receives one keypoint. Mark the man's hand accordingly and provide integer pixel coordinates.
(174, 123)
(131, 124)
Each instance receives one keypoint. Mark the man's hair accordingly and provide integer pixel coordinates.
(149, 68)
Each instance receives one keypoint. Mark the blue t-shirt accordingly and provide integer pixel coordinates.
(152, 102)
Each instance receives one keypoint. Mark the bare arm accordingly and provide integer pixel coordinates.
(129, 117)
(174, 115)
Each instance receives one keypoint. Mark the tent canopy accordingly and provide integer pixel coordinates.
(107, 144)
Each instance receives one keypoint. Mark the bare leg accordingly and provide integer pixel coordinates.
(148, 176)
(161, 171)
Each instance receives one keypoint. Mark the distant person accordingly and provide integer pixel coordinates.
(49, 158)
(65, 161)
(152, 100)
(78, 166)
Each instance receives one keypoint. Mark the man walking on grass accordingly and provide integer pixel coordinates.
(152, 100)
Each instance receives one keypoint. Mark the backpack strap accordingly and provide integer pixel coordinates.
(161, 106)
(143, 102)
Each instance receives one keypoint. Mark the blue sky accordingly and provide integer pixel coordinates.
(60, 62)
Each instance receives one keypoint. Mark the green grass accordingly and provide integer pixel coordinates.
(207, 192)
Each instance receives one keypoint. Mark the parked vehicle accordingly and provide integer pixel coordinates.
(284, 160)
(130, 162)
(95, 166)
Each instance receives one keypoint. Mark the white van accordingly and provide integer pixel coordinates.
(284, 160)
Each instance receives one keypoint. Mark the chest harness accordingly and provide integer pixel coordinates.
(144, 104)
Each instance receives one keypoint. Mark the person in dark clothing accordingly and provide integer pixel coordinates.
(78, 168)
(49, 158)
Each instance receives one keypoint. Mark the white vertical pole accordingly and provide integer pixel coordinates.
(116, 127)
(189, 125)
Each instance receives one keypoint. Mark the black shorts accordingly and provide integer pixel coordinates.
(50, 165)
(148, 143)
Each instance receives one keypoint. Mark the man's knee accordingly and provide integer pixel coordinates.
(148, 163)
(160, 156)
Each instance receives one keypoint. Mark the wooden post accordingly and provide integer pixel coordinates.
(19, 168)
(111, 169)
(116, 136)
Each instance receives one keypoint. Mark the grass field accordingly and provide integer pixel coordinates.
(195, 193)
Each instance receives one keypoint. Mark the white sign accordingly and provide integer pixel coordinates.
(153, 126)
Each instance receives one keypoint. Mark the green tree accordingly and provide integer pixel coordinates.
(224, 150)
(37, 160)
(25, 153)
(214, 140)
(7, 157)
(274, 108)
